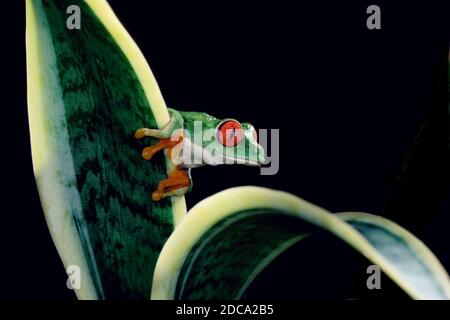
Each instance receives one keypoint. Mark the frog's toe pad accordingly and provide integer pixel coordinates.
(140, 133)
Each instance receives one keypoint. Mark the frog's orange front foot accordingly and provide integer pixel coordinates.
(177, 184)
(150, 151)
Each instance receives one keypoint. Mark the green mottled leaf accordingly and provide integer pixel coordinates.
(88, 91)
(235, 234)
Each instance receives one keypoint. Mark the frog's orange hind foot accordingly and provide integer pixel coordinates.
(180, 191)
(177, 184)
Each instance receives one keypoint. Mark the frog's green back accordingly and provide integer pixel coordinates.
(88, 91)
(207, 121)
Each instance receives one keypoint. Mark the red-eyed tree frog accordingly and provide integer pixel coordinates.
(194, 139)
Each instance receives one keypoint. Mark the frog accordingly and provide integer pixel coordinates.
(193, 139)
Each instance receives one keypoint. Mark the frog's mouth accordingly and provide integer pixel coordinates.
(204, 157)
(221, 159)
(247, 162)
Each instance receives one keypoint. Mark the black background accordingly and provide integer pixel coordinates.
(348, 102)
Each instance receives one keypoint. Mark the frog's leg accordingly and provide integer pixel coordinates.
(177, 184)
(176, 122)
(168, 143)
(146, 132)
(166, 140)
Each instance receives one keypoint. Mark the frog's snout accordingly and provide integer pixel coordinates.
(262, 160)
(261, 157)
(258, 158)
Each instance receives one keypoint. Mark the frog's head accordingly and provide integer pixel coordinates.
(235, 142)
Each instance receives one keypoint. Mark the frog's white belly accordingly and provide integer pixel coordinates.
(193, 156)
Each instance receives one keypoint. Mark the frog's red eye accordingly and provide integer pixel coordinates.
(230, 133)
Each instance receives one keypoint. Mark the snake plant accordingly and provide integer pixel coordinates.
(88, 91)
